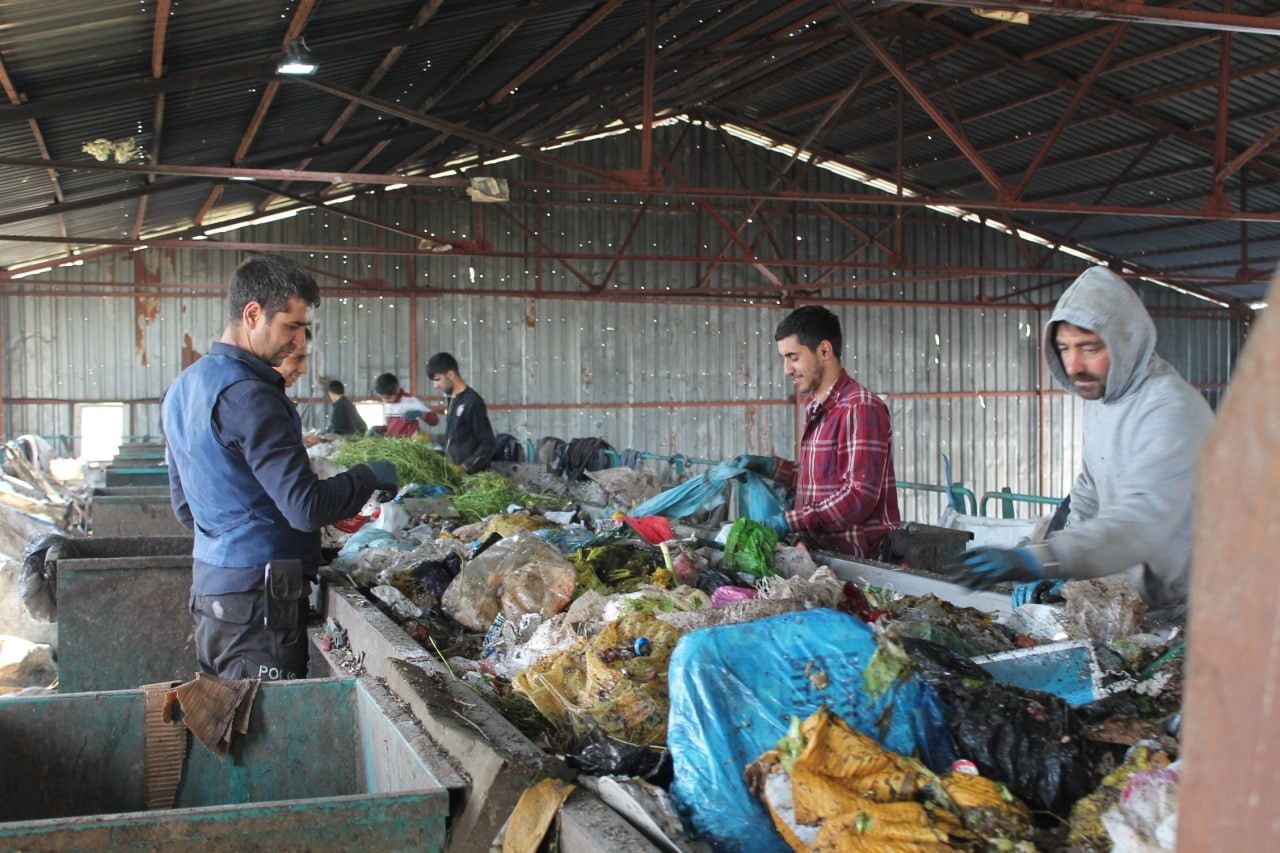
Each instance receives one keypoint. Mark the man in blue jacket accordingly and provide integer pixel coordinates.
(240, 479)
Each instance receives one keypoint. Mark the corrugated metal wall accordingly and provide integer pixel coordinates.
(671, 376)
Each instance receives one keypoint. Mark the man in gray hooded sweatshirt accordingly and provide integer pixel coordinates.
(1143, 426)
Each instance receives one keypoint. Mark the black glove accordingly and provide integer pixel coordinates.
(384, 473)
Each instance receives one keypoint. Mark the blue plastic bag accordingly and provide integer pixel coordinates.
(734, 690)
(707, 491)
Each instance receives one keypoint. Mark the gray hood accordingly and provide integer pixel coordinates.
(1102, 302)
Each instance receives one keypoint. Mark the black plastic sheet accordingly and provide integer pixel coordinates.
(1033, 742)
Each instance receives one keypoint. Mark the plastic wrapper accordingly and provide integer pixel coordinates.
(38, 583)
(626, 487)
(733, 688)
(653, 529)
(436, 575)
(392, 517)
(567, 539)
(749, 548)
(726, 595)
(794, 561)
(820, 589)
(514, 576)
(598, 754)
(1088, 828)
(1103, 609)
(707, 491)
(1146, 818)
(831, 788)
(604, 684)
(400, 605)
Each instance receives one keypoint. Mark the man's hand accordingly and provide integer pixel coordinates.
(387, 480)
(1037, 592)
(778, 524)
(413, 415)
(981, 568)
(762, 465)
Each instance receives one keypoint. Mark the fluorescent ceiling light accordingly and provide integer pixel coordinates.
(297, 61)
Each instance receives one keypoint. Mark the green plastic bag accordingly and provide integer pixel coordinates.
(750, 548)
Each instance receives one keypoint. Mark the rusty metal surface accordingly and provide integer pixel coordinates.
(1231, 728)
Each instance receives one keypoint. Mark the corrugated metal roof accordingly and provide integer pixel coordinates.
(85, 71)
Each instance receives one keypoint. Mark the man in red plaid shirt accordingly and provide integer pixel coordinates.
(846, 499)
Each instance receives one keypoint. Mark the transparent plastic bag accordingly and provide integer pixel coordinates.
(514, 576)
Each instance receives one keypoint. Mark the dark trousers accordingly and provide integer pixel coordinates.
(233, 642)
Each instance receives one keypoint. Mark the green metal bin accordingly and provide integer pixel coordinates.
(328, 764)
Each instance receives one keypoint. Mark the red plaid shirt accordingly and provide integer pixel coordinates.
(846, 496)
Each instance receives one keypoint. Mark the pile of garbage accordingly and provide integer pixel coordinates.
(760, 700)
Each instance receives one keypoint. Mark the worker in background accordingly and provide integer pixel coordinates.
(1131, 504)
(293, 368)
(240, 479)
(294, 365)
(344, 419)
(846, 498)
(404, 414)
(468, 436)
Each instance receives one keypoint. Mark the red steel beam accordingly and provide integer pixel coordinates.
(1247, 156)
(1065, 239)
(301, 14)
(16, 97)
(459, 130)
(568, 40)
(1053, 89)
(780, 175)
(547, 252)
(1104, 59)
(367, 220)
(117, 290)
(646, 108)
(249, 246)
(614, 186)
(1217, 195)
(473, 62)
(748, 255)
(424, 14)
(158, 33)
(1130, 11)
(573, 80)
(1069, 84)
(954, 132)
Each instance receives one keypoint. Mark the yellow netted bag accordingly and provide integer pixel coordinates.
(602, 684)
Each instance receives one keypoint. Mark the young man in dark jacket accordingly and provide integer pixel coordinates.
(468, 436)
(344, 419)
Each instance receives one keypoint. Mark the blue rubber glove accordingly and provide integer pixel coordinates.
(413, 415)
(762, 465)
(1037, 592)
(778, 524)
(384, 473)
(981, 568)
